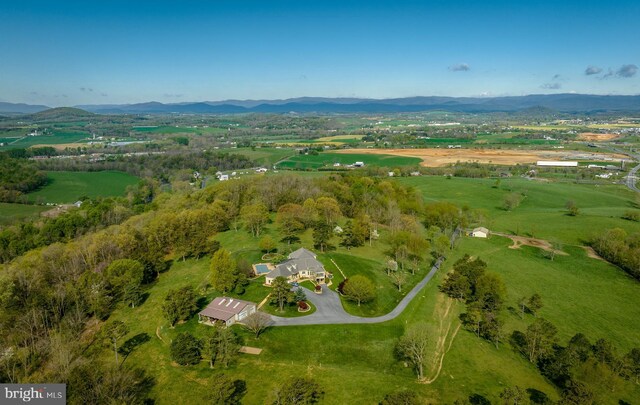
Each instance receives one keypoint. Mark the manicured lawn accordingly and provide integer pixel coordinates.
(67, 187)
(13, 212)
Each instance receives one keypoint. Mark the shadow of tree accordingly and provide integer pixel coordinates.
(131, 344)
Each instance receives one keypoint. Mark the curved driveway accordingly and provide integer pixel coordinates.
(329, 309)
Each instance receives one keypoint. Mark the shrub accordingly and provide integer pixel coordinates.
(303, 305)
(185, 349)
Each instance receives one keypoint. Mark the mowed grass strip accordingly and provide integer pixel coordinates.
(328, 159)
(67, 187)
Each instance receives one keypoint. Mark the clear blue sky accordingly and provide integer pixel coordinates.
(68, 53)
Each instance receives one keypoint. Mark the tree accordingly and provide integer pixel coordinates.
(539, 339)
(511, 201)
(490, 292)
(223, 271)
(632, 364)
(125, 275)
(299, 391)
(255, 217)
(221, 346)
(281, 292)
(535, 303)
(267, 244)
(257, 323)
(351, 236)
(299, 295)
(359, 289)
(577, 393)
(441, 246)
(399, 278)
(225, 391)
(456, 285)
(513, 395)
(572, 208)
(391, 266)
(400, 398)
(112, 332)
(414, 347)
(186, 349)
(321, 235)
(179, 304)
(522, 304)
(329, 210)
(290, 220)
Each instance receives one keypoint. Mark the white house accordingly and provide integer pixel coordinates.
(226, 310)
(480, 232)
(301, 264)
(224, 177)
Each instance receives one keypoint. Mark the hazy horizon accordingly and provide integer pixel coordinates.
(72, 53)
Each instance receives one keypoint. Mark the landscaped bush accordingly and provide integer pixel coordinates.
(303, 306)
(341, 286)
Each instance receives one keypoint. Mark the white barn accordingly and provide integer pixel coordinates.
(480, 232)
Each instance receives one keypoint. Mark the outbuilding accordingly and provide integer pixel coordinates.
(480, 232)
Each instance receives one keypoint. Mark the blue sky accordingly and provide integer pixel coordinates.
(68, 53)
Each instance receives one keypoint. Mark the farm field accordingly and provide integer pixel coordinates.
(542, 212)
(442, 157)
(12, 212)
(45, 140)
(179, 130)
(264, 156)
(68, 187)
(327, 159)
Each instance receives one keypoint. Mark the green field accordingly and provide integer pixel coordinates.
(355, 364)
(263, 156)
(327, 159)
(59, 137)
(12, 212)
(542, 213)
(179, 130)
(68, 187)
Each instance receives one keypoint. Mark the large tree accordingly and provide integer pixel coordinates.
(179, 304)
(257, 323)
(221, 346)
(281, 293)
(125, 276)
(255, 217)
(413, 346)
(299, 391)
(225, 391)
(113, 332)
(186, 349)
(539, 339)
(359, 289)
(224, 273)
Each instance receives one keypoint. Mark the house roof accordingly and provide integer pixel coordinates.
(282, 270)
(225, 308)
(481, 229)
(302, 253)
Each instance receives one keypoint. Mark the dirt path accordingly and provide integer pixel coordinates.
(538, 243)
(592, 253)
(448, 321)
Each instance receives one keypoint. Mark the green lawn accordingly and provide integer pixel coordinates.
(328, 159)
(262, 156)
(542, 213)
(12, 212)
(67, 187)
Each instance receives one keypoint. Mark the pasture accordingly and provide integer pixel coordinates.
(13, 212)
(68, 187)
(328, 159)
(58, 137)
(542, 213)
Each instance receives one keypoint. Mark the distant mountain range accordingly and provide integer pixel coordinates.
(571, 103)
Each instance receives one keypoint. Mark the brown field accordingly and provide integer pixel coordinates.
(443, 157)
(590, 136)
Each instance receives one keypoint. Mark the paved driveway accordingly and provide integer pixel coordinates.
(329, 309)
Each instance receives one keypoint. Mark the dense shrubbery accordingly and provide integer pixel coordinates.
(620, 248)
(18, 177)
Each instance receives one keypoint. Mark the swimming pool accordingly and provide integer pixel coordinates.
(261, 268)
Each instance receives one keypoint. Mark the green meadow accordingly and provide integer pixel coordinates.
(327, 159)
(67, 187)
(13, 212)
(542, 213)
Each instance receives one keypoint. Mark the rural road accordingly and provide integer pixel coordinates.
(329, 308)
(632, 177)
